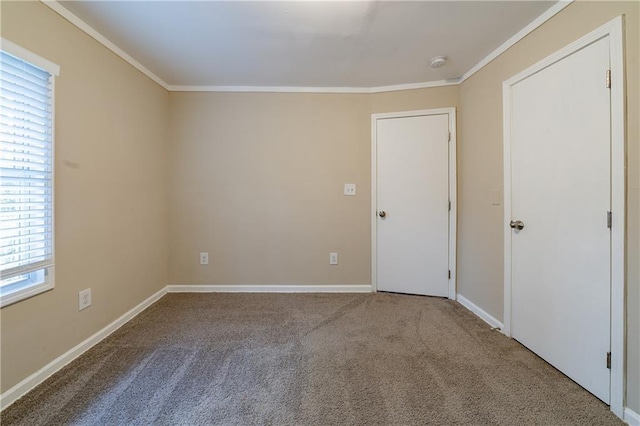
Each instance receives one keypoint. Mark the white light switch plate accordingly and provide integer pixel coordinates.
(495, 197)
(349, 189)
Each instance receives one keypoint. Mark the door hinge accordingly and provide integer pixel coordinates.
(449, 137)
(608, 79)
(449, 205)
(609, 360)
(449, 273)
(609, 220)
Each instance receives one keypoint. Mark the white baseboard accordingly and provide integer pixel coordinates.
(19, 390)
(631, 417)
(484, 315)
(266, 288)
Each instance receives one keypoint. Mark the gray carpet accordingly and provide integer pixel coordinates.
(307, 359)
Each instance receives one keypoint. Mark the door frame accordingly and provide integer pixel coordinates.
(613, 30)
(451, 116)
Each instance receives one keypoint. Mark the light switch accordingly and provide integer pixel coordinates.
(349, 189)
(496, 197)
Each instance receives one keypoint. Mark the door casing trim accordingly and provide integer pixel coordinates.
(451, 115)
(614, 30)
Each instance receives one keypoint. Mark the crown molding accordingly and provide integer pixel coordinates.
(66, 14)
(412, 86)
(75, 20)
(546, 15)
(269, 89)
(303, 89)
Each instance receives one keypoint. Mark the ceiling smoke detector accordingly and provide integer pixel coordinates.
(437, 61)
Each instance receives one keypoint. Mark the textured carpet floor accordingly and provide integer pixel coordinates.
(307, 359)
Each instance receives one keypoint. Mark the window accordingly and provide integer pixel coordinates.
(26, 174)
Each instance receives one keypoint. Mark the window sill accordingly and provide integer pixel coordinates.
(12, 297)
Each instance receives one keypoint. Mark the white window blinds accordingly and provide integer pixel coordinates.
(26, 168)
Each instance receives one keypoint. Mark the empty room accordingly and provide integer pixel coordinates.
(319, 212)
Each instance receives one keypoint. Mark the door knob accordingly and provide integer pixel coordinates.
(382, 214)
(518, 224)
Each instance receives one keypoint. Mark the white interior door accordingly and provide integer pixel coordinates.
(412, 194)
(561, 191)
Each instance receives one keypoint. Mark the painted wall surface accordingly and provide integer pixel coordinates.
(110, 207)
(417, 99)
(480, 165)
(257, 182)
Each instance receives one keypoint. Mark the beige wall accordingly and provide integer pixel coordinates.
(410, 100)
(110, 192)
(480, 253)
(257, 181)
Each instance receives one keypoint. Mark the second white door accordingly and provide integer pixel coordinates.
(561, 193)
(412, 193)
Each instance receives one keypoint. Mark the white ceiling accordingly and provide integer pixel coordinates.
(306, 43)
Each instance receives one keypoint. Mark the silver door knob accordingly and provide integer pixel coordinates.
(518, 224)
(382, 214)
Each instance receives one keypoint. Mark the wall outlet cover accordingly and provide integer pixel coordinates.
(350, 189)
(84, 299)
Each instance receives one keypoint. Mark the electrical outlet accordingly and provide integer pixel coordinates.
(333, 258)
(84, 299)
(350, 189)
(204, 258)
